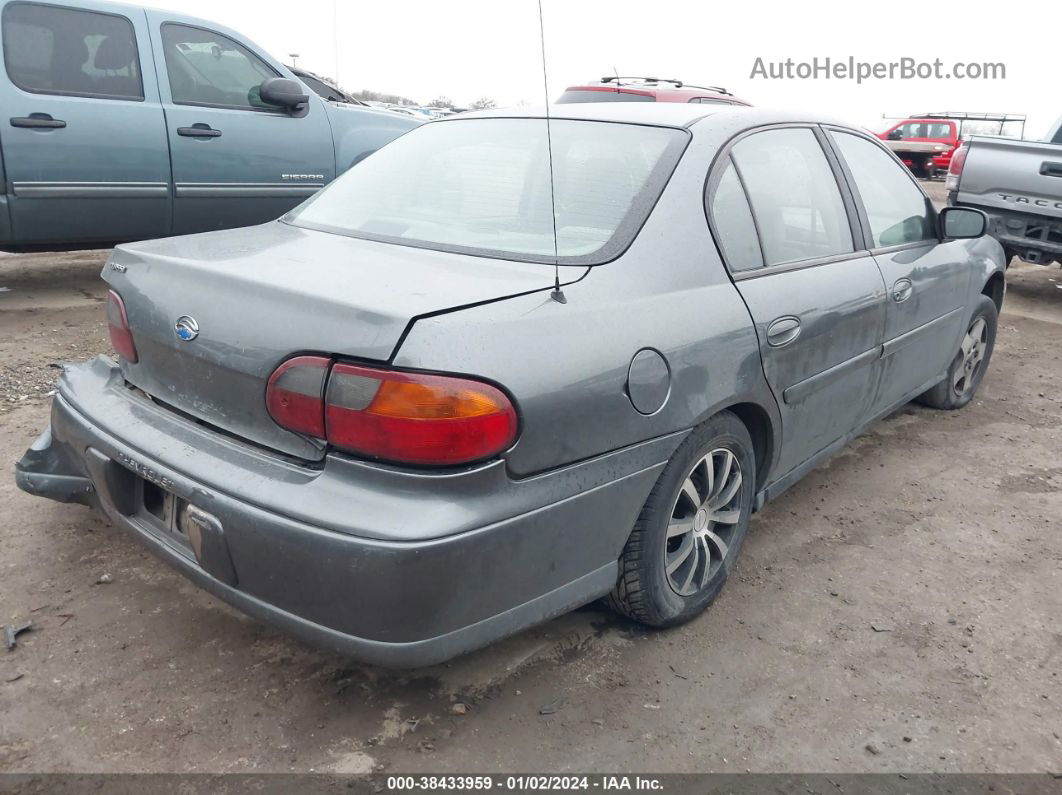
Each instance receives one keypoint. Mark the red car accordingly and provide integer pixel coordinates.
(939, 131)
(648, 89)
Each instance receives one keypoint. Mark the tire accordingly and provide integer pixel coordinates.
(970, 363)
(717, 524)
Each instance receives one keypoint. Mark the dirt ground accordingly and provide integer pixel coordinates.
(900, 609)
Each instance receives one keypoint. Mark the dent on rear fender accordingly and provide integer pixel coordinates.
(567, 366)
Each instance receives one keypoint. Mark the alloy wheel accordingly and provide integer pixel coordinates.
(971, 353)
(703, 520)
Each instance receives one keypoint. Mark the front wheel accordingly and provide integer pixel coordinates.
(970, 362)
(690, 530)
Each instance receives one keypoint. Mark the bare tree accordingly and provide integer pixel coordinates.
(441, 102)
(368, 95)
(484, 103)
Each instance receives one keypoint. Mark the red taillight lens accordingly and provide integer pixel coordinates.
(118, 324)
(295, 394)
(416, 418)
(958, 160)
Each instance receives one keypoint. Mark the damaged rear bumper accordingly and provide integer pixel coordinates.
(389, 567)
(44, 472)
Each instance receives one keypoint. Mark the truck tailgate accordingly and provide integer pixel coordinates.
(1015, 176)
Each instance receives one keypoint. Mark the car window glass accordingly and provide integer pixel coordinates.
(589, 95)
(322, 89)
(485, 185)
(897, 209)
(732, 220)
(793, 192)
(52, 50)
(206, 68)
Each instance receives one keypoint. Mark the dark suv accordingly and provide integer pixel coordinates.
(648, 89)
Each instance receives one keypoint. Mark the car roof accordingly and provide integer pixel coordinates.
(669, 114)
(661, 91)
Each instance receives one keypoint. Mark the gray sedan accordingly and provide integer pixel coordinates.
(507, 366)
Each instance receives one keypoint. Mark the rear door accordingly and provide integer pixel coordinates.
(786, 231)
(82, 130)
(928, 281)
(236, 160)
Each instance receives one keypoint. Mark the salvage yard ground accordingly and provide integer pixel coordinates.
(899, 609)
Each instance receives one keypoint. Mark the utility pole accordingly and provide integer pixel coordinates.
(294, 56)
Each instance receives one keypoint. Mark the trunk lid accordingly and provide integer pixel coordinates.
(260, 294)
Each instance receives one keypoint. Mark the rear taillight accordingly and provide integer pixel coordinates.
(401, 417)
(416, 418)
(958, 160)
(118, 324)
(295, 394)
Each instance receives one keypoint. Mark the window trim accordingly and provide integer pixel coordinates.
(864, 219)
(250, 108)
(715, 173)
(83, 94)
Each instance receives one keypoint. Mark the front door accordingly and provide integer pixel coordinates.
(236, 160)
(927, 281)
(82, 129)
(818, 302)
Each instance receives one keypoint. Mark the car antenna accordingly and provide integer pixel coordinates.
(556, 294)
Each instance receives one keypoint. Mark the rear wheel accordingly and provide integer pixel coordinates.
(691, 528)
(970, 363)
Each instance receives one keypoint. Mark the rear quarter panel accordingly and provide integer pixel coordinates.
(567, 364)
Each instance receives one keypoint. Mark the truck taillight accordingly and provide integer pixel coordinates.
(118, 325)
(389, 415)
(958, 160)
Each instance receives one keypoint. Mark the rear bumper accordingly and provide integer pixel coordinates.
(472, 557)
(1035, 238)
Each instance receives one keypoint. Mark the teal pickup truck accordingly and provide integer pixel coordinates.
(121, 123)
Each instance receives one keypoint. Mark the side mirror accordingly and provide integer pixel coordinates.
(284, 93)
(962, 223)
(896, 135)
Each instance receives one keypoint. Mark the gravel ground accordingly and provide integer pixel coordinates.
(896, 610)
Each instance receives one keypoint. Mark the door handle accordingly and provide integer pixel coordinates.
(39, 121)
(1051, 169)
(199, 130)
(783, 331)
(902, 290)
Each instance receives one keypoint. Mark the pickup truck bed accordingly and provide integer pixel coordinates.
(1019, 185)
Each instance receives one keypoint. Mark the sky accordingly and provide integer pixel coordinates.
(467, 49)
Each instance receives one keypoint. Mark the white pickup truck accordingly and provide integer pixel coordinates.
(1019, 185)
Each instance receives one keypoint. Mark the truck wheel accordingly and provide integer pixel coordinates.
(970, 362)
(690, 530)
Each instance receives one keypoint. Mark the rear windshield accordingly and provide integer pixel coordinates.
(575, 95)
(483, 186)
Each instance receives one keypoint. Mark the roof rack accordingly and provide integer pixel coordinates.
(964, 116)
(622, 79)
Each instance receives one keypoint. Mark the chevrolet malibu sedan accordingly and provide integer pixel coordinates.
(507, 366)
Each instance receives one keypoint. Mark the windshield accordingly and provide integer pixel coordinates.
(483, 186)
